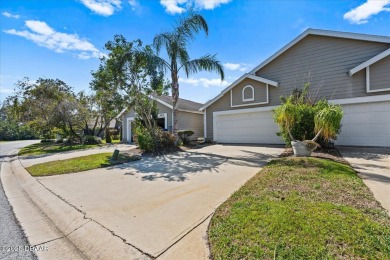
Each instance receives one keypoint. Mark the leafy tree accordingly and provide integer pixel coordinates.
(176, 43)
(36, 103)
(126, 78)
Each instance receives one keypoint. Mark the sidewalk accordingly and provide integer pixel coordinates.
(62, 231)
(373, 166)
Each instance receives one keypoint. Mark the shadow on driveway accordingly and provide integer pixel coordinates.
(178, 166)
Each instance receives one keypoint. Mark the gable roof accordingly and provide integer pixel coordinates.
(344, 35)
(183, 104)
(245, 76)
(318, 32)
(370, 61)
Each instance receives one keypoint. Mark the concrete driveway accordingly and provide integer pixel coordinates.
(373, 166)
(154, 203)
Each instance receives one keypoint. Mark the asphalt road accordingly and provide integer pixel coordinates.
(11, 234)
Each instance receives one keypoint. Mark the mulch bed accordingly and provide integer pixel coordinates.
(325, 153)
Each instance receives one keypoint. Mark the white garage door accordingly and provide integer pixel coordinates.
(253, 127)
(366, 124)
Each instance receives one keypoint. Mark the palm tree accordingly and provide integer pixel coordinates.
(176, 44)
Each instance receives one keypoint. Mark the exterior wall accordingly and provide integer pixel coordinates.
(326, 60)
(191, 121)
(380, 74)
(131, 113)
(318, 59)
(260, 92)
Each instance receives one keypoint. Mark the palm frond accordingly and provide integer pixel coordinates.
(190, 25)
(206, 63)
(162, 39)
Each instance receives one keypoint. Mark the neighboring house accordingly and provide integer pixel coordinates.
(190, 118)
(354, 70)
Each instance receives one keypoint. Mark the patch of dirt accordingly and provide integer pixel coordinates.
(325, 153)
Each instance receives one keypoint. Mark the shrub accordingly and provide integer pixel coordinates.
(90, 139)
(299, 119)
(185, 135)
(154, 141)
(13, 131)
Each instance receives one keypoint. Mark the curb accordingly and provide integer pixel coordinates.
(89, 239)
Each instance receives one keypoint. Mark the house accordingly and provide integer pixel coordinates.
(354, 70)
(189, 117)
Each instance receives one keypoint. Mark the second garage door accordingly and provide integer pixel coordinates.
(253, 127)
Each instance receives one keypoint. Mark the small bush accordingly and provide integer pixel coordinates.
(115, 137)
(185, 135)
(90, 139)
(154, 141)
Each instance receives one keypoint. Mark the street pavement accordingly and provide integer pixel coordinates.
(12, 239)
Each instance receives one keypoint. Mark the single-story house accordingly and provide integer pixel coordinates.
(189, 117)
(354, 70)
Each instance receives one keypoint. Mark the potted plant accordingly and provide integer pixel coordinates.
(327, 122)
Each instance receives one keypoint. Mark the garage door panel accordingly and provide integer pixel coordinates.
(253, 127)
(366, 124)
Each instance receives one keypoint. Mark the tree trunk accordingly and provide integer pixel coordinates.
(175, 98)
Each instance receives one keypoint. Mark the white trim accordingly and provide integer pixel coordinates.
(345, 101)
(205, 124)
(162, 102)
(367, 63)
(243, 94)
(231, 86)
(368, 85)
(245, 110)
(165, 116)
(172, 122)
(128, 122)
(250, 104)
(368, 79)
(346, 35)
(378, 90)
(190, 111)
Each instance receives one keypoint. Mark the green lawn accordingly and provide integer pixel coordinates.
(78, 164)
(301, 208)
(51, 147)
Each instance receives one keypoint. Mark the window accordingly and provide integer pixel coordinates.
(248, 93)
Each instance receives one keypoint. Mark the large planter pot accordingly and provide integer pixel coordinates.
(300, 149)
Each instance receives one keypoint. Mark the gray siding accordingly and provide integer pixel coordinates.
(260, 92)
(327, 60)
(187, 121)
(131, 113)
(380, 74)
(191, 121)
(321, 60)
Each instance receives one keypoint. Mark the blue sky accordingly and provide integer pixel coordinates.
(63, 39)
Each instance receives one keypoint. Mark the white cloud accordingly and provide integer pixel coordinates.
(205, 82)
(209, 4)
(103, 7)
(180, 6)
(47, 37)
(6, 14)
(236, 66)
(134, 4)
(362, 13)
(172, 6)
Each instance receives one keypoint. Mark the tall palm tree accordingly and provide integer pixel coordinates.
(176, 44)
